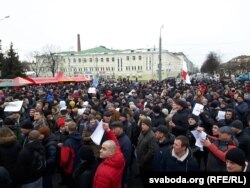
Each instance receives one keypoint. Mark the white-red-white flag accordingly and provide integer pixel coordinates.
(185, 73)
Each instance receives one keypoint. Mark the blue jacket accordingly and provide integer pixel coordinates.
(126, 147)
(160, 150)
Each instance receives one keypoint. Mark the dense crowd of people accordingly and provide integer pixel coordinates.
(150, 125)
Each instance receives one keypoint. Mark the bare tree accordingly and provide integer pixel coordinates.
(51, 58)
(211, 64)
(35, 64)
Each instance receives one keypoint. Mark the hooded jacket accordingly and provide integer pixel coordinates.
(9, 150)
(172, 164)
(69, 158)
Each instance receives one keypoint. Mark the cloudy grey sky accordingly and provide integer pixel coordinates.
(194, 27)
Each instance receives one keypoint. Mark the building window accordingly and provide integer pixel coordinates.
(127, 58)
(112, 68)
(84, 60)
(79, 60)
(74, 60)
(90, 59)
(113, 59)
(133, 57)
(101, 59)
(107, 59)
(139, 57)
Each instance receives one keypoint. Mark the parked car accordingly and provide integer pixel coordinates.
(243, 77)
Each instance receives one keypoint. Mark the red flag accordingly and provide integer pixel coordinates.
(185, 73)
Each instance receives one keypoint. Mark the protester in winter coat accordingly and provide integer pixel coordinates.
(179, 158)
(50, 144)
(179, 122)
(83, 175)
(165, 140)
(109, 172)
(242, 137)
(145, 148)
(69, 151)
(28, 174)
(125, 145)
(217, 149)
(9, 150)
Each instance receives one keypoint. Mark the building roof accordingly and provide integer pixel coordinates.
(96, 50)
(104, 50)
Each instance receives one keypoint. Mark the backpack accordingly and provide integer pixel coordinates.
(38, 164)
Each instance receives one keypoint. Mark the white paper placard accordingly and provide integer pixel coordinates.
(197, 109)
(98, 134)
(14, 106)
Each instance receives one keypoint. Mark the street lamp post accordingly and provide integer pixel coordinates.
(4, 18)
(160, 64)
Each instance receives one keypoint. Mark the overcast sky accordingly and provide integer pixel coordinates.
(194, 27)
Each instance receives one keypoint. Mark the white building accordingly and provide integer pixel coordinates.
(137, 64)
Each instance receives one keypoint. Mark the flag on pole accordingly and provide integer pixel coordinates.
(185, 73)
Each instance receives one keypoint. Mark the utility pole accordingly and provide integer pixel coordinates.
(160, 64)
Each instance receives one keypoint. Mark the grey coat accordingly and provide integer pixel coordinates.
(145, 149)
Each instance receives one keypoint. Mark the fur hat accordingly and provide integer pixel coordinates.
(6, 135)
(147, 122)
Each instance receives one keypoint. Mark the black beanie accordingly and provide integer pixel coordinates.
(237, 156)
(237, 124)
(181, 102)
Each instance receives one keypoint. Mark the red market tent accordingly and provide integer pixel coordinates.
(45, 80)
(58, 78)
(21, 80)
(61, 78)
(80, 79)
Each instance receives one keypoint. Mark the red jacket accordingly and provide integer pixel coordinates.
(216, 151)
(110, 171)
